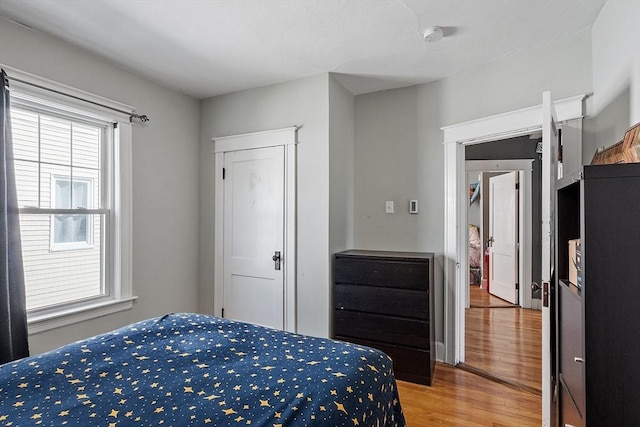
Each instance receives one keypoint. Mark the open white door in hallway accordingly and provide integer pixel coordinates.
(503, 232)
(254, 202)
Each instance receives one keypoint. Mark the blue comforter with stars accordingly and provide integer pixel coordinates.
(197, 370)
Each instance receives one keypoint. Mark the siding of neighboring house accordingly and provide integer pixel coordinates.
(48, 148)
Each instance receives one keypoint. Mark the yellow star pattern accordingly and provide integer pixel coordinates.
(164, 371)
(340, 407)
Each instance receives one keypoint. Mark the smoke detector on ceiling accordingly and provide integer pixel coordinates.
(432, 34)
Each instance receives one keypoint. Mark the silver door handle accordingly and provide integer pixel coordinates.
(578, 359)
(276, 259)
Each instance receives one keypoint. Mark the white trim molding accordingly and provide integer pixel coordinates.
(29, 88)
(69, 316)
(287, 138)
(501, 126)
(511, 124)
(263, 139)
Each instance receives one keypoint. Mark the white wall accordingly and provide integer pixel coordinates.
(165, 176)
(305, 103)
(616, 75)
(398, 147)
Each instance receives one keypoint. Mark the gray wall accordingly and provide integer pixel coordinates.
(341, 150)
(165, 177)
(305, 103)
(616, 76)
(398, 148)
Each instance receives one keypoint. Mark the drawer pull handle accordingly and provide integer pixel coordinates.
(568, 425)
(579, 360)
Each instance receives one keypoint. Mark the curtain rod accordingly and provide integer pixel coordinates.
(142, 117)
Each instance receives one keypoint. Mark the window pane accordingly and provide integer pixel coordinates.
(80, 194)
(24, 128)
(55, 277)
(49, 176)
(86, 188)
(55, 140)
(71, 229)
(62, 194)
(86, 146)
(27, 183)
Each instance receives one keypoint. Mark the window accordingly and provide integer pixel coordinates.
(73, 182)
(71, 231)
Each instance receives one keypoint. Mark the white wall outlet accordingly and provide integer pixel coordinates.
(388, 207)
(413, 206)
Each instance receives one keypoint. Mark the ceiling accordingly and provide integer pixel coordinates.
(211, 47)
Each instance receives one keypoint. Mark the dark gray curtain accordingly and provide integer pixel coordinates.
(13, 311)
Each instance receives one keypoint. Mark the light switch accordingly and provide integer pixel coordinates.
(413, 206)
(389, 206)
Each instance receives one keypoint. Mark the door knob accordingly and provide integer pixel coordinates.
(276, 259)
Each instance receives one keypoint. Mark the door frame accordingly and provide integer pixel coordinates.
(524, 167)
(501, 126)
(286, 137)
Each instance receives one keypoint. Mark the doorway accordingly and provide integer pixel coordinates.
(502, 331)
(543, 118)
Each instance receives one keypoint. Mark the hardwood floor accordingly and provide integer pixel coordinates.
(460, 398)
(501, 339)
(479, 297)
(505, 342)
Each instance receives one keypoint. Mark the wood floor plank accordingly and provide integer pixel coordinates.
(460, 398)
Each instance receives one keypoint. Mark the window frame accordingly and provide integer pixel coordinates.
(35, 93)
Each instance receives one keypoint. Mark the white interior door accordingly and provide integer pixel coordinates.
(550, 169)
(254, 198)
(503, 234)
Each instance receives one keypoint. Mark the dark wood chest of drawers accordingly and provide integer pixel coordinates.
(384, 300)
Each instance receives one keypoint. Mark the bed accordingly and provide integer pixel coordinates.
(191, 369)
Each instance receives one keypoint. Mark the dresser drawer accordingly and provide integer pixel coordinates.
(394, 273)
(386, 329)
(409, 364)
(395, 302)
